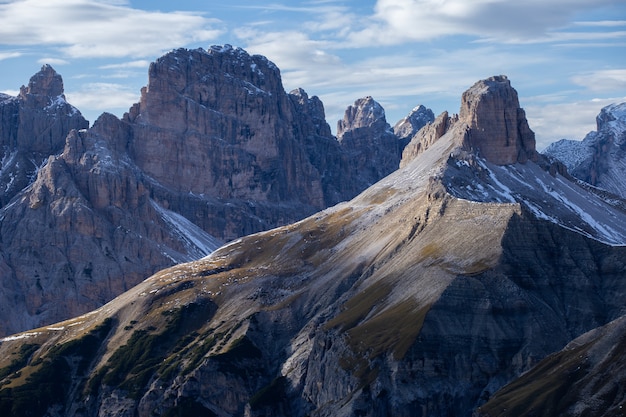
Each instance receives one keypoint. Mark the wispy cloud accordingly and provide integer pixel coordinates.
(142, 64)
(9, 54)
(601, 23)
(602, 80)
(52, 61)
(554, 121)
(397, 21)
(95, 98)
(90, 28)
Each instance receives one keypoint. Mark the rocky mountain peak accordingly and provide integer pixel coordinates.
(497, 128)
(365, 112)
(612, 120)
(419, 117)
(599, 158)
(44, 85)
(365, 135)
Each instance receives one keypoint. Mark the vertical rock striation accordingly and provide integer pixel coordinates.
(33, 126)
(497, 128)
(372, 147)
(214, 150)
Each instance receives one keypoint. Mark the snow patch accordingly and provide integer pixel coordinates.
(197, 241)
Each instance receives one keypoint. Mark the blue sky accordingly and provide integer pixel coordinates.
(566, 58)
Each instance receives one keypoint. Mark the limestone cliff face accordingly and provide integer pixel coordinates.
(225, 114)
(214, 150)
(369, 141)
(497, 126)
(422, 296)
(426, 136)
(33, 126)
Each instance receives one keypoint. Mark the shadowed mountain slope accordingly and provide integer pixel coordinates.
(422, 296)
(214, 150)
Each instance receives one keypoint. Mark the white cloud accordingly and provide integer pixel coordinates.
(397, 21)
(52, 61)
(9, 54)
(95, 98)
(602, 80)
(91, 28)
(601, 23)
(555, 121)
(142, 63)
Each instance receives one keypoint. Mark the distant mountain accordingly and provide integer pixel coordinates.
(424, 295)
(33, 126)
(600, 158)
(214, 150)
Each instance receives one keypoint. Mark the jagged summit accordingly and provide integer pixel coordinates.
(369, 141)
(408, 126)
(599, 158)
(47, 83)
(365, 112)
(33, 126)
(423, 295)
(496, 125)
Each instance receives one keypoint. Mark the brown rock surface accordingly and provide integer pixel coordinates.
(374, 150)
(215, 147)
(426, 136)
(497, 126)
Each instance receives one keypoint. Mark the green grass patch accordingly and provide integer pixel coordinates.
(359, 307)
(21, 360)
(50, 377)
(394, 330)
(134, 364)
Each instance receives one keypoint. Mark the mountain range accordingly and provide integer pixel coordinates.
(480, 278)
(214, 150)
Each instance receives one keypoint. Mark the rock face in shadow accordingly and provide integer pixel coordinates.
(421, 296)
(33, 126)
(372, 147)
(214, 150)
(587, 377)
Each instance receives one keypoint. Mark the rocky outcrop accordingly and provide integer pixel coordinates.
(426, 136)
(497, 126)
(420, 296)
(600, 158)
(214, 150)
(85, 231)
(407, 127)
(33, 126)
(372, 147)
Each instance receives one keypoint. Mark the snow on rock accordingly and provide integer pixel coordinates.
(553, 198)
(198, 242)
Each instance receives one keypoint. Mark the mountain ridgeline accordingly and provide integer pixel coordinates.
(214, 150)
(479, 279)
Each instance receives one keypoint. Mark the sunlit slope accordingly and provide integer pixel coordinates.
(415, 297)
